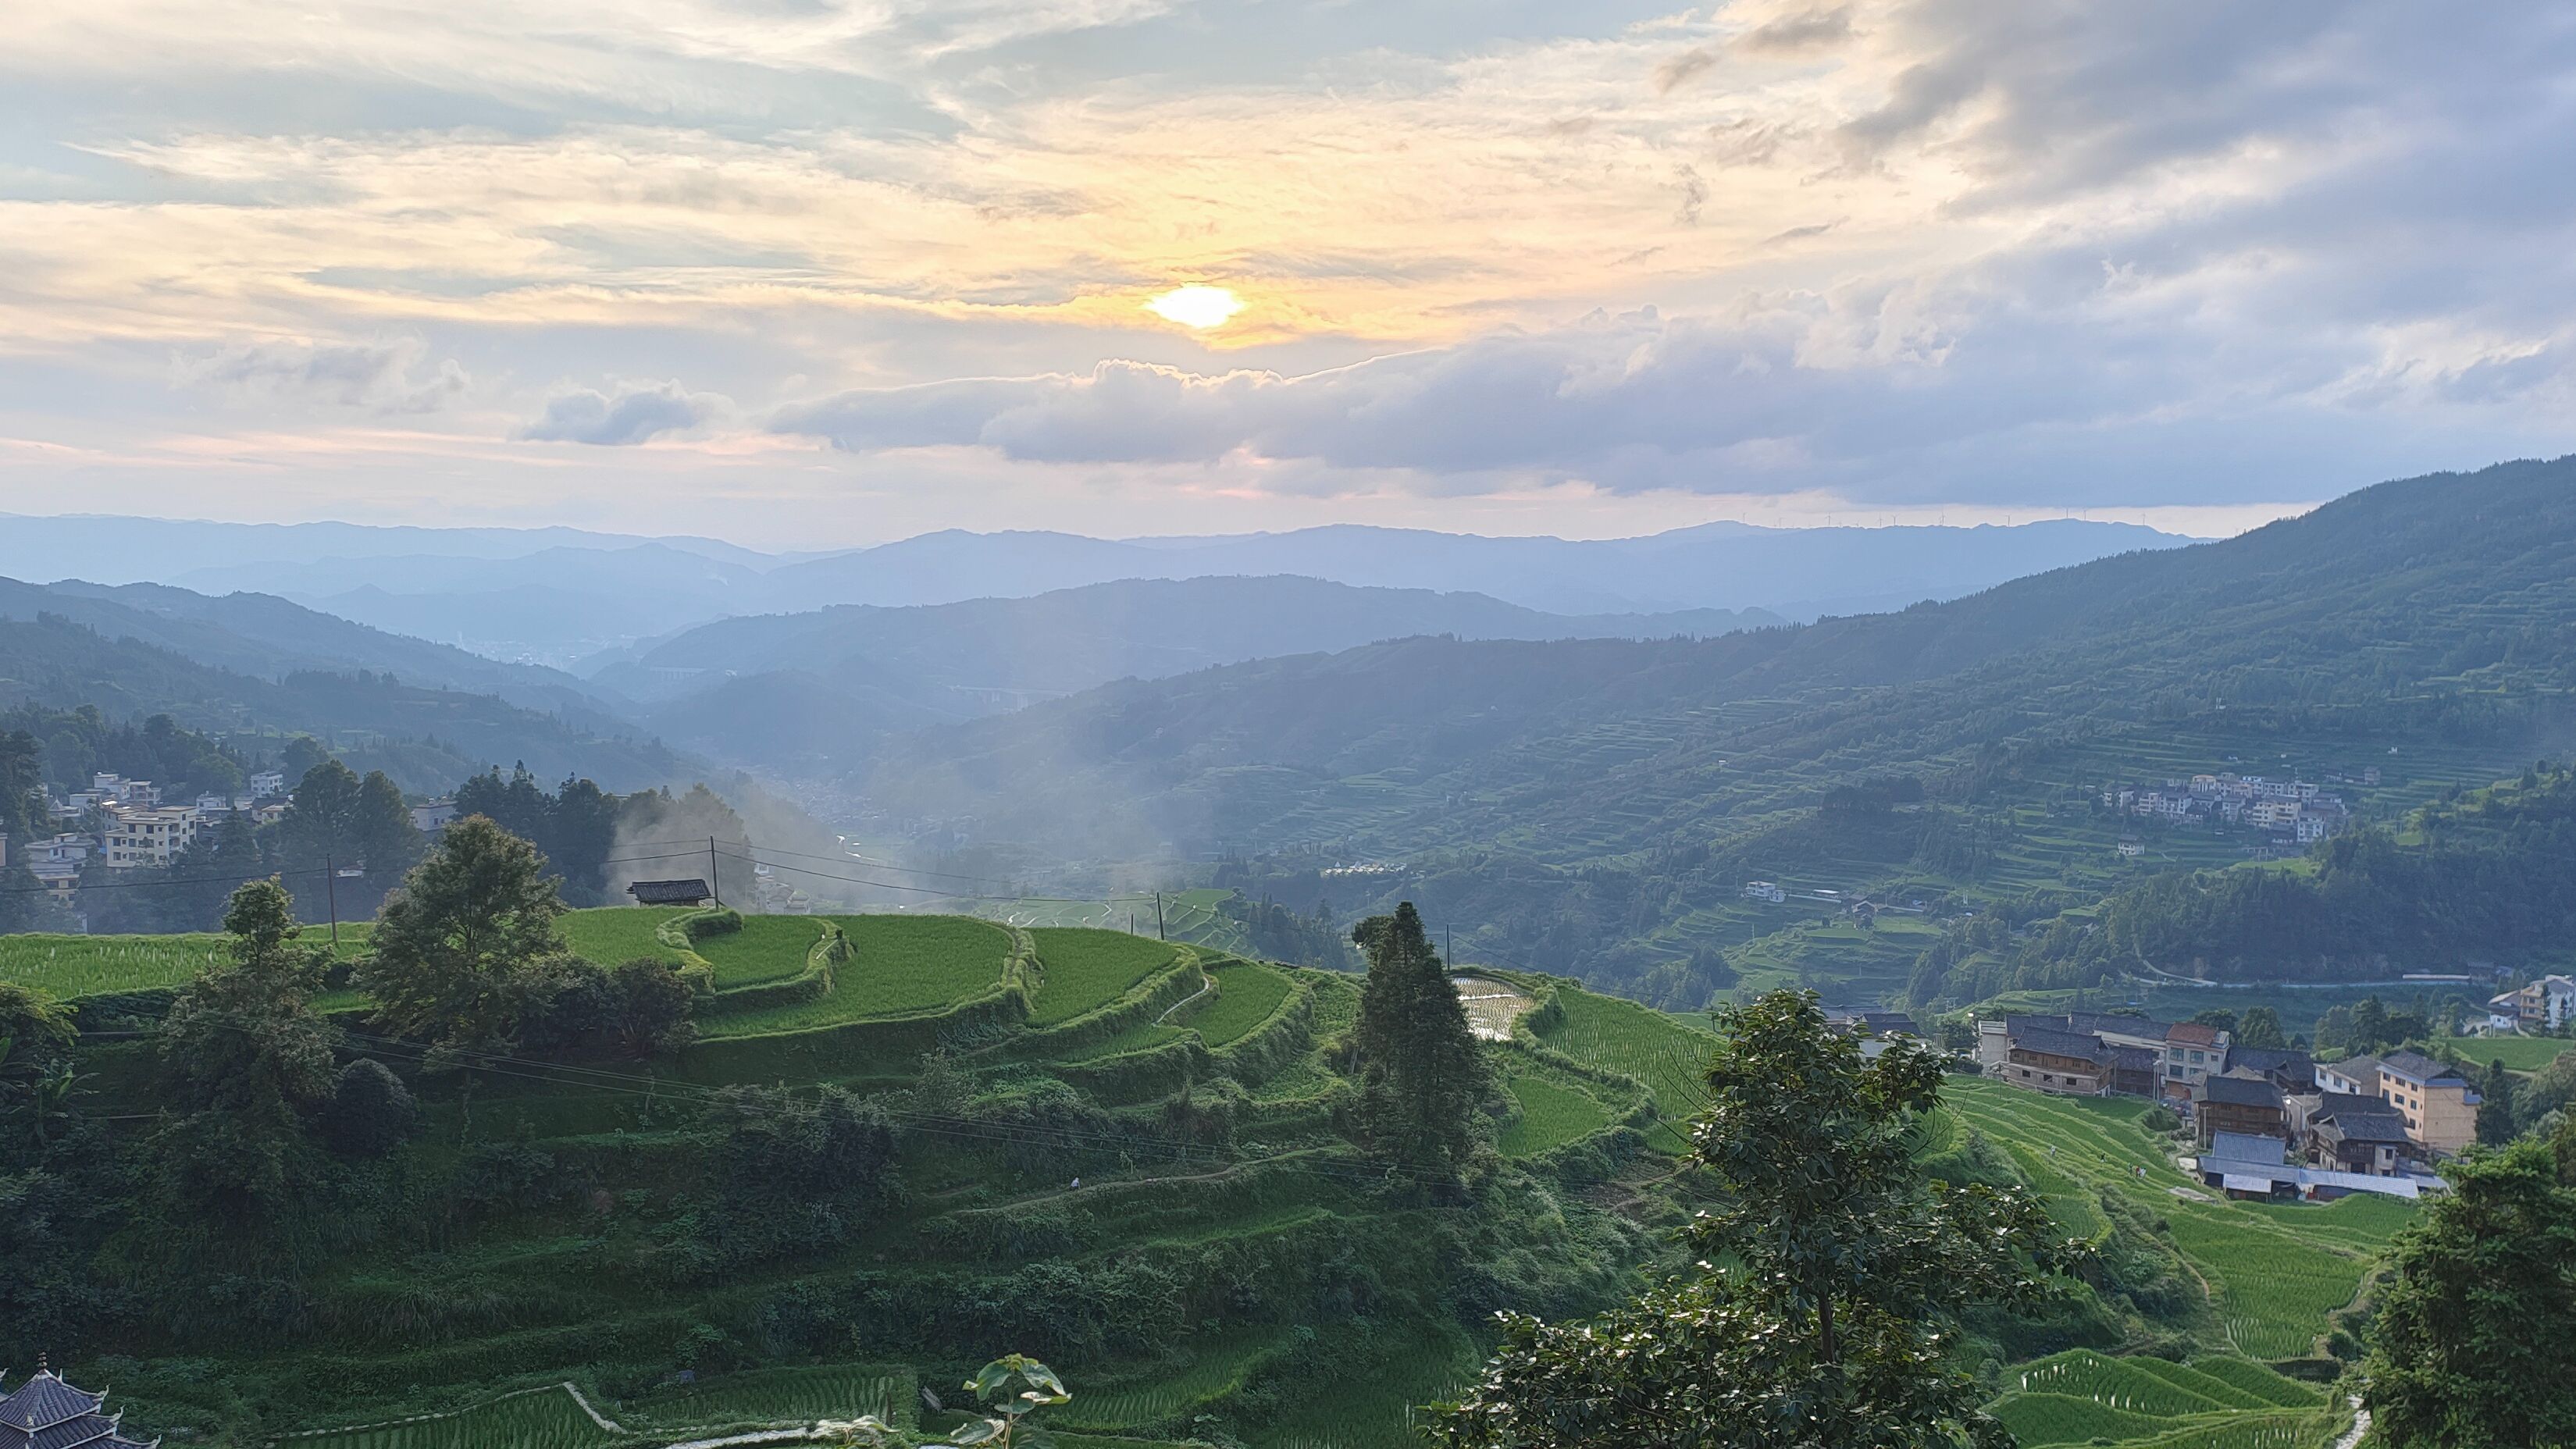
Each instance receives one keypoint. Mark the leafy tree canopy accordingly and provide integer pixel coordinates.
(459, 946)
(2475, 1341)
(1830, 1275)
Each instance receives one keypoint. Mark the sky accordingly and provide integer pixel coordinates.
(807, 273)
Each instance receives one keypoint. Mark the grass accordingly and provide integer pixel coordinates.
(1246, 994)
(767, 948)
(900, 965)
(1604, 1031)
(613, 934)
(70, 966)
(1551, 1115)
(2518, 1053)
(538, 1419)
(1087, 969)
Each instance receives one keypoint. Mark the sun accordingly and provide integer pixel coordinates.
(1196, 306)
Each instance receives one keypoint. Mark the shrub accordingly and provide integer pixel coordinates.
(371, 1111)
(2160, 1120)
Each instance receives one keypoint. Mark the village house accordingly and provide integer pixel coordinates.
(1763, 890)
(2058, 1061)
(2244, 1164)
(2357, 1134)
(2242, 1104)
(147, 838)
(2287, 1068)
(2126, 1054)
(2434, 1106)
(2545, 1005)
(431, 817)
(2440, 1107)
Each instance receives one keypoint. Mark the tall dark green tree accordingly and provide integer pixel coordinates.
(2496, 1125)
(246, 1059)
(1830, 1327)
(342, 821)
(1423, 1078)
(2474, 1346)
(460, 947)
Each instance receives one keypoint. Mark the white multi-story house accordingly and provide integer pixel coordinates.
(267, 783)
(148, 838)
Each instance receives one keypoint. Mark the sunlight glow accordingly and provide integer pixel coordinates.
(1196, 306)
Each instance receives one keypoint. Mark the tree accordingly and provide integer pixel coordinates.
(246, 1059)
(2260, 1027)
(2472, 1344)
(1422, 1075)
(35, 1066)
(243, 1037)
(2216, 1018)
(337, 819)
(2369, 1029)
(2495, 1106)
(1831, 1330)
(459, 949)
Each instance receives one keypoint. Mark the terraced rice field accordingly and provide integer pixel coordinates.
(1216, 1367)
(1086, 969)
(1551, 1115)
(69, 966)
(2081, 1396)
(1492, 1006)
(613, 934)
(540, 1419)
(2276, 1271)
(779, 1396)
(767, 948)
(1623, 1036)
(900, 965)
(1246, 994)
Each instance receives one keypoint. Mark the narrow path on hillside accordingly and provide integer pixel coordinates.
(2360, 1426)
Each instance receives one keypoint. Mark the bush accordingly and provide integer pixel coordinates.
(2160, 1120)
(371, 1111)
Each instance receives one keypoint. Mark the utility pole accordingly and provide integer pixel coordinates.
(331, 893)
(715, 878)
(1158, 917)
(1448, 944)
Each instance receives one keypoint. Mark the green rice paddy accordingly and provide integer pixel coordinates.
(1246, 994)
(767, 948)
(1086, 969)
(1604, 1031)
(1551, 1115)
(620, 933)
(68, 966)
(900, 965)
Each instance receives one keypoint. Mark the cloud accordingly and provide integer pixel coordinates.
(1671, 73)
(633, 413)
(381, 376)
(1805, 30)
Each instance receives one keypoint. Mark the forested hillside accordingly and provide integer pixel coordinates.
(1600, 803)
(426, 738)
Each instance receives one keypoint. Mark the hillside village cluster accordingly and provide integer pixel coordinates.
(2296, 810)
(2270, 1121)
(120, 824)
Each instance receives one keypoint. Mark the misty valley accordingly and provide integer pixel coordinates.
(1233, 992)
